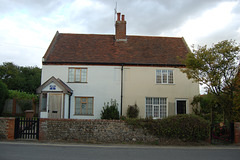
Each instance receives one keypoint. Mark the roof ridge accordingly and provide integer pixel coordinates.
(114, 35)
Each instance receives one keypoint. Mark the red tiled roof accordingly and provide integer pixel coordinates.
(102, 49)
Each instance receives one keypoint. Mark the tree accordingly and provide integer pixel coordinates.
(25, 79)
(215, 67)
(205, 106)
(3, 95)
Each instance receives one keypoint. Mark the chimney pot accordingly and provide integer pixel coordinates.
(118, 16)
(123, 17)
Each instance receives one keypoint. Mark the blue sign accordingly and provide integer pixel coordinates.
(52, 87)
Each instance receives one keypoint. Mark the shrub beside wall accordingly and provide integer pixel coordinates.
(185, 127)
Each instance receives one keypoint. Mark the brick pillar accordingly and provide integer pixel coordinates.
(42, 128)
(237, 132)
(10, 128)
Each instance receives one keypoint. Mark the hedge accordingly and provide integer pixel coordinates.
(185, 127)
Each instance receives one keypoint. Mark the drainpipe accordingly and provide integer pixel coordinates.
(69, 107)
(121, 89)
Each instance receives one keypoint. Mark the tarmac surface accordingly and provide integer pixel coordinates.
(29, 150)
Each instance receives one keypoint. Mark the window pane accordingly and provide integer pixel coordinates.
(170, 76)
(164, 76)
(84, 100)
(84, 75)
(90, 105)
(44, 102)
(163, 107)
(71, 75)
(77, 106)
(158, 76)
(148, 100)
(77, 75)
(148, 110)
(155, 100)
(156, 111)
(84, 108)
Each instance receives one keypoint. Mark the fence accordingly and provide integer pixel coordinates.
(12, 108)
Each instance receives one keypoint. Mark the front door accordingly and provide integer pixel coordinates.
(181, 107)
(55, 103)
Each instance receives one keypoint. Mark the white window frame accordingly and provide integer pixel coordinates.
(156, 105)
(161, 74)
(75, 78)
(181, 99)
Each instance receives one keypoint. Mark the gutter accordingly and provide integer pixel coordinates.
(113, 64)
(69, 106)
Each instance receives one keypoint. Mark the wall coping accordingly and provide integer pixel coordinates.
(8, 118)
(82, 120)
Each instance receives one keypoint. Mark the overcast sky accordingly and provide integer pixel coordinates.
(27, 26)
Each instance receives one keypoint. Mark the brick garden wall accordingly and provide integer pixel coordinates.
(7, 126)
(93, 131)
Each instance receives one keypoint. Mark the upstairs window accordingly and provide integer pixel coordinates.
(77, 75)
(164, 76)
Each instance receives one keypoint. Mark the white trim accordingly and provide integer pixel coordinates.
(181, 99)
(159, 107)
(162, 77)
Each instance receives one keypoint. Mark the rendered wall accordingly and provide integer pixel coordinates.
(140, 82)
(103, 84)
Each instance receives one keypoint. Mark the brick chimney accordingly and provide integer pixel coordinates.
(120, 28)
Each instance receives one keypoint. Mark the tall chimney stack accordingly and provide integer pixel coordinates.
(120, 28)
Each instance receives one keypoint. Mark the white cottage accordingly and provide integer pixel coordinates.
(83, 71)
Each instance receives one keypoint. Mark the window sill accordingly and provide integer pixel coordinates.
(83, 115)
(165, 83)
(78, 82)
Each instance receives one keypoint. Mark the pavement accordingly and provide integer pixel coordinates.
(108, 145)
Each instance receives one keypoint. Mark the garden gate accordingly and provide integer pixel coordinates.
(27, 128)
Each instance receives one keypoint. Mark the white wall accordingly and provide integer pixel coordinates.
(103, 83)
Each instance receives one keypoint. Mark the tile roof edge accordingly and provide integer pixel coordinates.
(111, 64)
(50, 48)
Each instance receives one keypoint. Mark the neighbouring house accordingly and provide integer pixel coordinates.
(80, 72)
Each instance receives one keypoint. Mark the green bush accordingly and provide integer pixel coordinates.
(21, 95)
(110, 111)
(185, 127)
(3, 95)
(132, 111)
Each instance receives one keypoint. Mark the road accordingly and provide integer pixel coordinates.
(41, 151)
